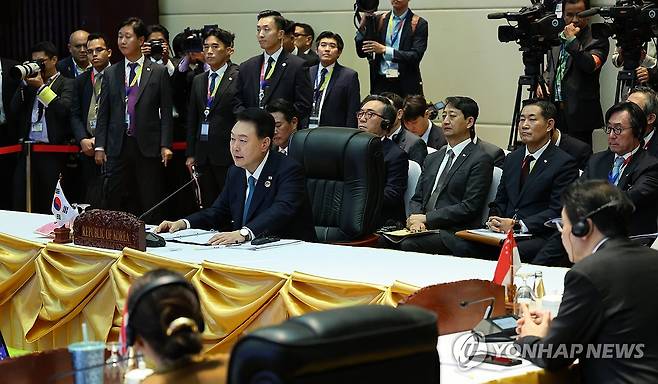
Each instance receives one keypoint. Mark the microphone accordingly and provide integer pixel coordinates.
(590, 12)
(487, 311)
(195, 176)
(497, 15)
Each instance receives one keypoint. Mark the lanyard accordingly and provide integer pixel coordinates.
(324, 85)
(265, 77)
(394, 34)
(138, 73)
(93, 83)
(211, 93)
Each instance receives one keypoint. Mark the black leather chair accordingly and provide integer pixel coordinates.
(345, 180)
(360, 344)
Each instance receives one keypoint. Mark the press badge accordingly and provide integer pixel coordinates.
(37, 127)
(204, 131)
(313, 122)
(127, 120)
(392, 73)
(92, 125)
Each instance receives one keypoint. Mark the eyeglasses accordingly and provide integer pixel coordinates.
(97, 51)
(555, 223)
(616, 129)
(368, 114)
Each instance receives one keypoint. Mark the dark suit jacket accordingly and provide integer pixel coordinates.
(82, 94)
(9, 86)
(408, 56)
(412, 144)
(577, 149)
(539, 200)
(580, 84)
(289, 81)
(57, 114)
(606, 302)
(66, 67)
(496, 153)
(181, 83)
(216, 149)
(279, 206)
(396, 167)
(652, 146)
(310, 59)
(342, 97)
(153, 116)
(639, 181)
(464, 193)
(436, 138)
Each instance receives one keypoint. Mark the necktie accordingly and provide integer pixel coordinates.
(616, 168)
(431, 203)
(318, 90)
(525, 168)
(270, 63)
(213, 77)
(251, 185)
(131, 95)
(93, 104)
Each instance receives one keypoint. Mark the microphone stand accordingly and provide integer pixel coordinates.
(195, 176)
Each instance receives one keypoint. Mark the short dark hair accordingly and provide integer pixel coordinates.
(651, 106)
(467, 106)
(565, 2)
(415, 106)
(96, 36)
(153, 28)
(637, 117)
(397, 100)
(226, 37)
(138, 26)
(155, 310)
(267, 13)
(548, 109)
(279, 21)
(286, 108)
(388, 113)
(289, 29)
(583, 197)
(308, 30)
(331, 35)
(45, 46)
(263, 121)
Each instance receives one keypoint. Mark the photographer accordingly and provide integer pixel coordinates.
(42, 108)
(395, 54)
(573, 72)
(156, 47)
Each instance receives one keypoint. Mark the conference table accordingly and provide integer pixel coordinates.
(48, 290)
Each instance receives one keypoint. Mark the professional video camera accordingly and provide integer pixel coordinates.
(26, 70)
(632, 23)
(537, 29)
(193, 41)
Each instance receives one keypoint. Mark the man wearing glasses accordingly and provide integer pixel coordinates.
(84, 110)
(627, 165)
(304, 36)
(377, 116)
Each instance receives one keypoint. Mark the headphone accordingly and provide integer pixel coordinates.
(581, 227)
(141, 292)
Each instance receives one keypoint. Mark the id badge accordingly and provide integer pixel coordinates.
(313, 122)
(92, 125)
(37, 127)
(204, 131)
(127, 120)
(392, 73)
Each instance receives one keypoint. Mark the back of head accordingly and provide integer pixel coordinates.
(415, 106)
(606, 205)
(164, 310)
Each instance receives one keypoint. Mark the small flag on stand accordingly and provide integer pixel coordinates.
(509, 262)
(63, 211)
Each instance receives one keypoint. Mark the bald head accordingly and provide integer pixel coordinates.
(78, 47)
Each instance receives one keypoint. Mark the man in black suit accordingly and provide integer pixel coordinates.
(134, 125)
(304, 36)
(76, 64)
(42, 110)
(573, 72)
(398, 49)
(265, 192)
(376, 116)
(210, 115)
(627, 165)
(598, 318)
(158, 35)
(8, 130)
(336, 89)
(576, 148)
(84, 114)
(647, 99)
(415, 118)
(413, 145)
(285, 124)
(533, 179)
(452, 190)
(275, 73)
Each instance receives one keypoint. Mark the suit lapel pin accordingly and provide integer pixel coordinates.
(545, 162)
(230, 79)
(268, 184)
(284, 64)
(148, 69)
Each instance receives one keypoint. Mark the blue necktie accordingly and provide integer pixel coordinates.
(616, 167)
(251, 185)
(213, 77)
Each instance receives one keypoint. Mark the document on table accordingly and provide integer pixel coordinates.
(190, 232)
(498, 236)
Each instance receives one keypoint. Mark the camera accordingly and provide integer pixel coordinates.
(537, 28)
(157, 49)
(193, 38)
(26, 70)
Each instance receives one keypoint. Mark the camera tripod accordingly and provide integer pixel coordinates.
(626, 77)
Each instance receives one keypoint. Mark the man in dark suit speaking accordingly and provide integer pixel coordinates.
(605, 319)
(264, 193)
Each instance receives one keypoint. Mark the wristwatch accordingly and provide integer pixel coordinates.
(244, 232)
(517, 225)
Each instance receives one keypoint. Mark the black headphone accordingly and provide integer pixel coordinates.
(388, 115)
(581, 227)
(141, 292)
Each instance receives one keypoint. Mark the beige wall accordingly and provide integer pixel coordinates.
(463, 56)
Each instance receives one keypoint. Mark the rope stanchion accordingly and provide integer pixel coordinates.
(179, 146)
(52, 148)
(11, 149)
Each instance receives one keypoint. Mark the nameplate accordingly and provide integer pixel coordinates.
(109, 229)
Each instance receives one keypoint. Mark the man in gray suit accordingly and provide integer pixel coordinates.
(134, 128)
(452, 190)
(415, 118)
